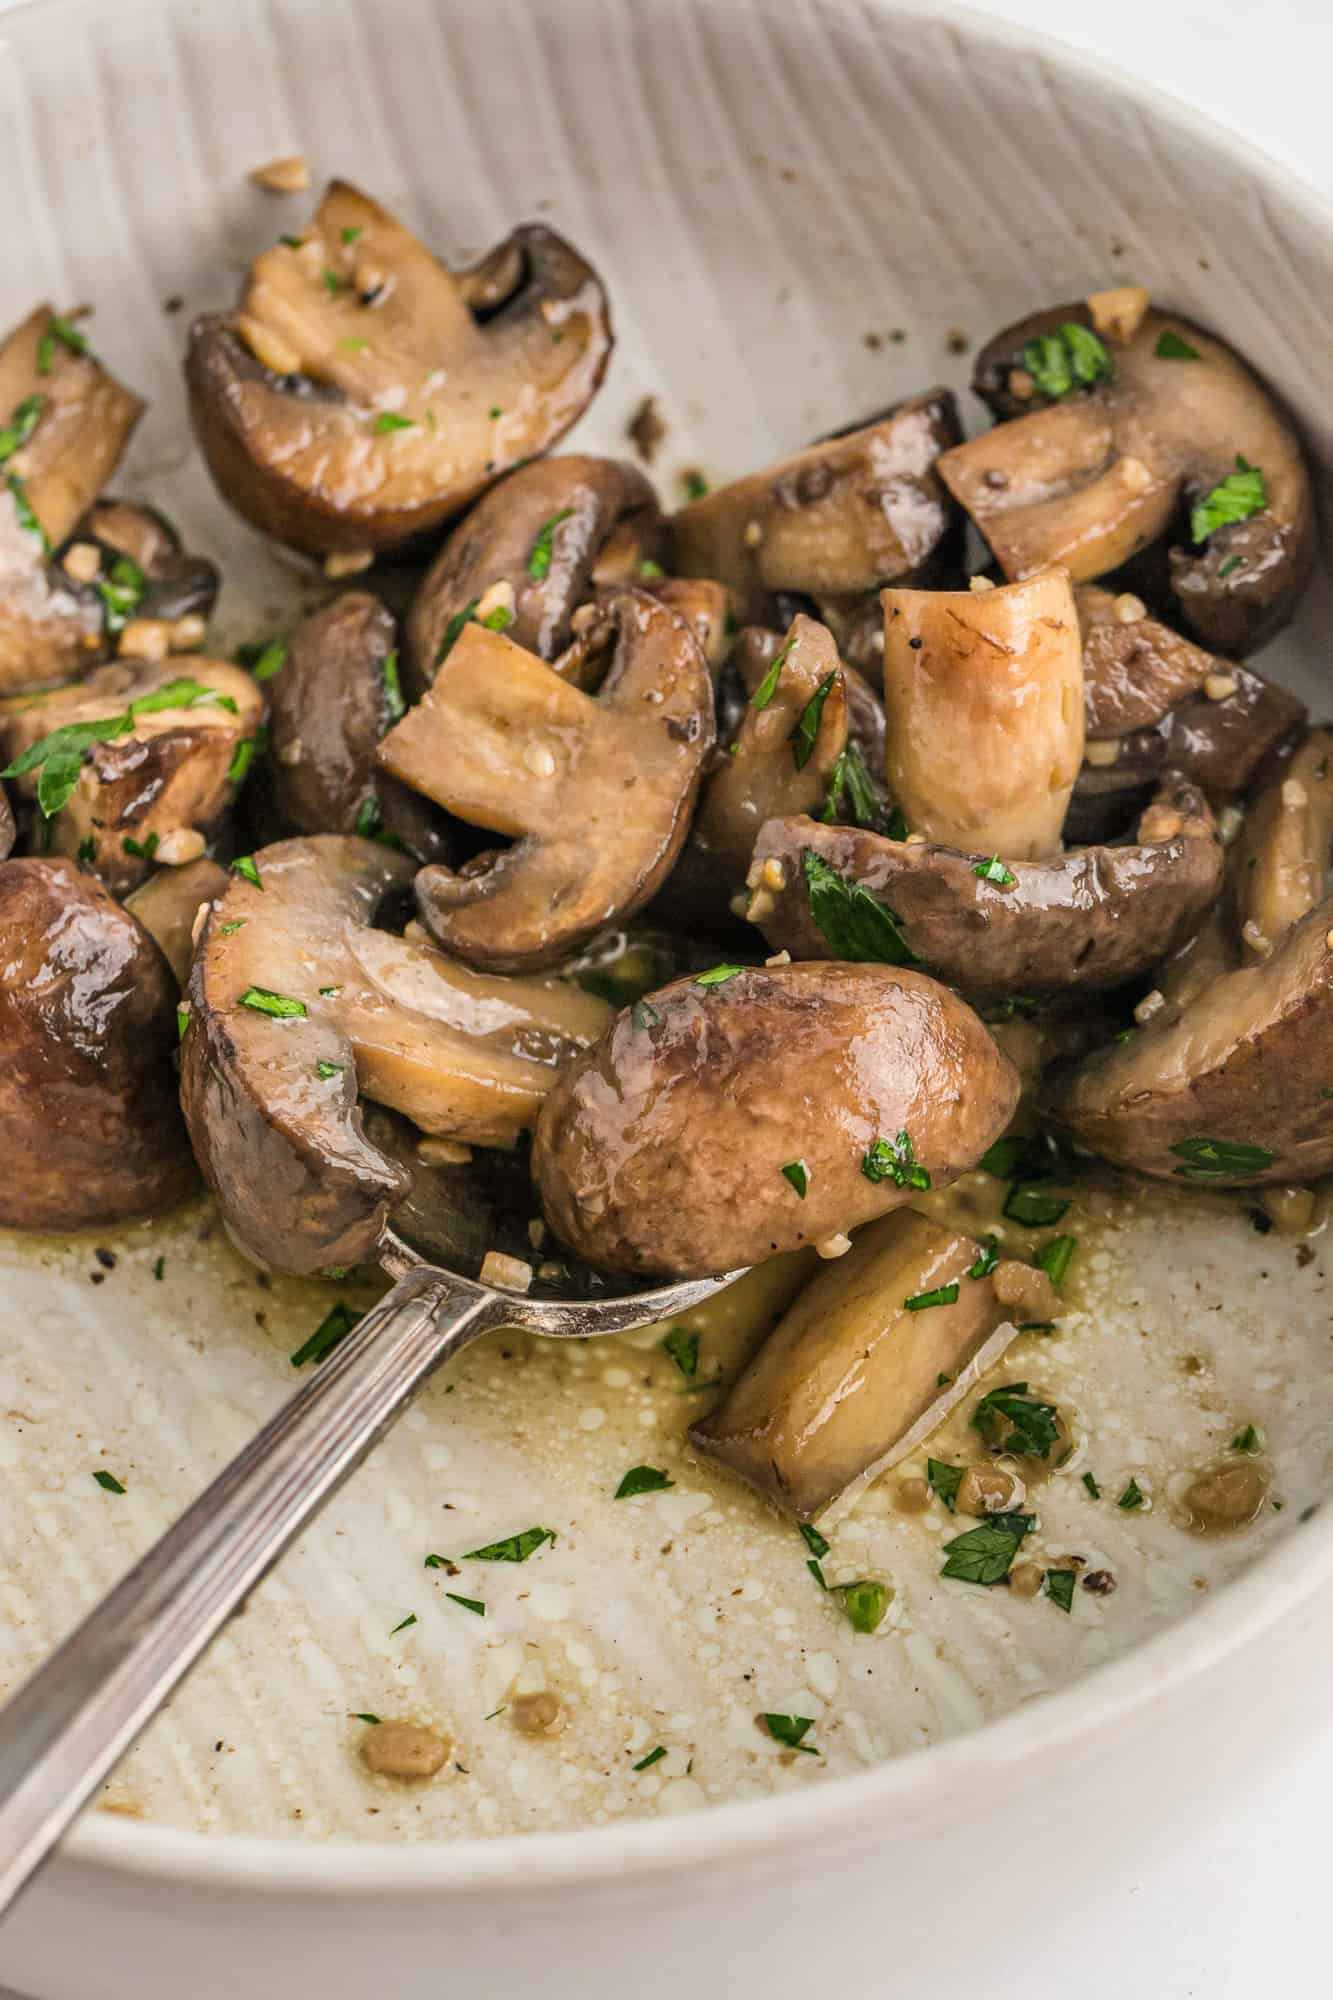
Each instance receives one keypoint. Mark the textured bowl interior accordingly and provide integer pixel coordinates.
(803, 209)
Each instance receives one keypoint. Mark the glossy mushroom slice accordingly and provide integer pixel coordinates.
(524, 557)
(169, 903)
(1281, 857)
(64, 422)
(1235, 1092)
(595, 793)
(1091, 918)
(845, 515)
(297, 1003)
(742, 1113)
(983, 696)
(137, 763)
(870, 1358)
(362, 393)
(88, 1114)
(1115, 441)
(793, 732)
(336, 695)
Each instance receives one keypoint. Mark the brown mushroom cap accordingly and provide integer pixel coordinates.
(271, 1100)
(83, 421)
(983, 697)
(847, 514)
(1247, 1067)
(336, 695)
(758, 777)
(290, 393)
(1091, 918)
(171, 772)
(849, 1374)
(662, 1149)
(596, 793)
(88, 1112)
(534, 542)
(1091, 480)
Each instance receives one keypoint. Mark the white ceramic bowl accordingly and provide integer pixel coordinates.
(763, 182)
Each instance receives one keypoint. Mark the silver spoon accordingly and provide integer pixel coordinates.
(71, 1722)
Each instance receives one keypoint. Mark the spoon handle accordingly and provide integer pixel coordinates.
(66, 1727)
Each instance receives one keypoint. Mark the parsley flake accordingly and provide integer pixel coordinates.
(789, 1730)
(813, 1540)
(1093, 1488)
(1054, 1258)
(643, 1479)
(865, 1603)
(1058, 1585)
(403, 1623)
(717, 975)
(985, 1554)
(1217, 1159)
(944, 1481)
(278, 1006)
(1011, 1420)
(393, 686)
(895, 1161)
(942, 1295)
(513, 1548)
(768, 686)
(1070, 358)
(655, 1756)
(389, 420)
(1235, 498)
(852, 922)
(334, 1328)
(1174, 347)
(543, 548)
(683, 1347)
(108, 1482)
(454, 628)
(473, 1604)
(806, 733)
(1249, 1440)
(798, 1175)
(1131, 1499)
(244, 865)
(988, 1256)
(995, 871)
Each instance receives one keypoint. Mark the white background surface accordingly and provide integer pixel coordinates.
(1241, 1912)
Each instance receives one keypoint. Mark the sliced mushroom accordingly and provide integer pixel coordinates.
(174, 584)
(168, 906)
(706, 608)
(793, 730)
(736, 1115)
(1237, 1091)
(1090, 480)
(337, 693)
(1281, 856)
(855, 1375)
(1091, 918)
(983, 695)
(845, 515)
(355, 398)
(525, 555)
(64, 422)
(850, 798)
(167, 766)
(269, 1084)
(596, 792)
(88, 1113)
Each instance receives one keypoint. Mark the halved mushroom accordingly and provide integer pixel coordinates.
(526, 555)
(168, 906)
(297, 1003)
(1235, 1092)
(362, 393)
(1102, 472)
(336, 695)
(89, 1120)
(64, 422)
(1092, 918)
(1281, 856)
(597, 792)
(870, 1358)
(983, 695)
(793, 731)
(847, 514)
(133, 759)
(742, 1113)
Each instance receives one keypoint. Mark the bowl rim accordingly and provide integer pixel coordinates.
(940, 1778)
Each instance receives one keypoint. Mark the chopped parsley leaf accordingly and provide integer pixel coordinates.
(108, 1482)
(237, 924)
(694, 484)
(683, 1347)
(27, 519)
(1242, 493)
(351, 233)
(943, 1295)
(87, 852)
(122, 591)
(1027, 1204)
(643, 1479)
(389, 420)
(453, 629)
(270, 660)
(654, 1756)
(58, 758)
(159, 1268)
(768, 686)
(1225, 567)
(1216, 1159)
(1070, 358)
(141, 850)
(798, 1175)
(182, 1021)
(816, 1570)
(278, 1006)
(895, 1161)
(513, 1548)
(334, 1328)
(333, 284)
(806, 733)
(851, 776)
(64, 331)
(813, 1540)
(789, 1731)
(944, 1481)
(852, 922)
(1174, 347)
(1249, 1440)
(21, 425)
(403, 1623)
(995, 871)
(985, 1554)
(1131, 1499)
(393, 687)
(1058, 1585)
(717, 975)
(364, 1715)
(988, 1256)
(1011, 1420)
(329, 992)
(1054, 1258)
(865, 1602)
(473, 1604)
(650, 571)
(244, 865)
(543, 548)
(328, 1069)
(1093, 1488)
